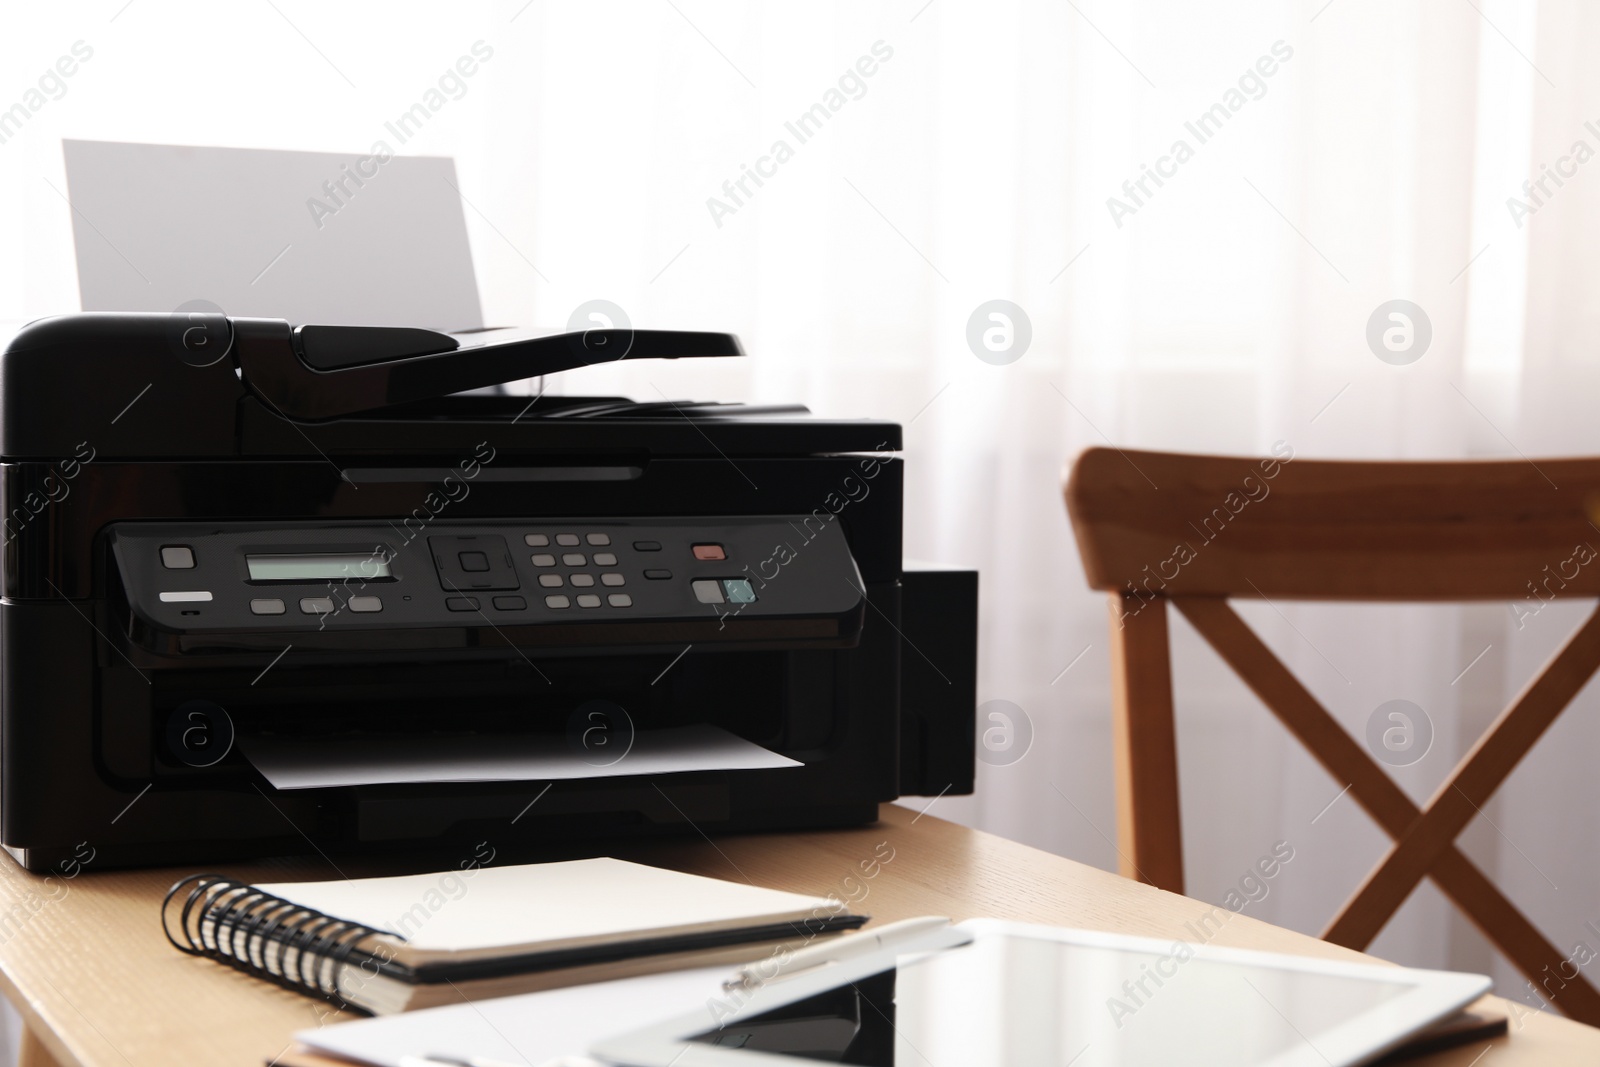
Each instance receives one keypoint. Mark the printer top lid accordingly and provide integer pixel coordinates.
(181, 385)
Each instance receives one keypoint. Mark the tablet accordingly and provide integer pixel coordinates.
(989, 992)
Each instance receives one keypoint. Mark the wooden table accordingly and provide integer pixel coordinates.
(98, 985)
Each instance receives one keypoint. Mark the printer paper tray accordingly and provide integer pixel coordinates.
(325, 763)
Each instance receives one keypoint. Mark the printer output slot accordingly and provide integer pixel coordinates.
(598, 717)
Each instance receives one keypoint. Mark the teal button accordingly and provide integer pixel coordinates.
(739, 591)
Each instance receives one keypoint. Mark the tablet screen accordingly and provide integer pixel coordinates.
(1019, 1000)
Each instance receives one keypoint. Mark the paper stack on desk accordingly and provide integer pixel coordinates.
(532, 1029)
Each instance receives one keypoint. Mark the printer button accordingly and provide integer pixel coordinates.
(544, 559)
(708, 591)
(557, 601)
(574, 559)
(709, 552)
(177, 557)
(598, 538)
(588, 600)
(613, 579)
(267, 606)
(536, 540)
(620, 600)
(316, 605)
(605, 559)
(658, 574)
(509, 603)
(472, 563)
(186, 596)
(647, 546)
(583, 580)
(551, 581)
(568, 540)
(366, 603)
(461, 603)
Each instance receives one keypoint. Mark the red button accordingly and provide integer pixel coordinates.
(709, 552)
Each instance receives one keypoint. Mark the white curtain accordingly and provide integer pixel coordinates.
(1364, 151)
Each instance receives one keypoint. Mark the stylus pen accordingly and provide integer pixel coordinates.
(755, 975)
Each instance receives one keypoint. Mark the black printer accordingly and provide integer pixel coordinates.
(270, 586)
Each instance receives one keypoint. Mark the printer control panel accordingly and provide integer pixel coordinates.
(329, 576)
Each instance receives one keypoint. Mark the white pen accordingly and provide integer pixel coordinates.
(445, 1059)
(754, 975)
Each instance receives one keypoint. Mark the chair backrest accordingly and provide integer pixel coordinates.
(1162, 523)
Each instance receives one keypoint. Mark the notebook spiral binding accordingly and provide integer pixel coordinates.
(264, 935)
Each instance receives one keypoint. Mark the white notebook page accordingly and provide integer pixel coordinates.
(546, 905)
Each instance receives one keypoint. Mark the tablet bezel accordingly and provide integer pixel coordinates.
(1433, 995)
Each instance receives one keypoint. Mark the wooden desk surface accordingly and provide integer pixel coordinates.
(86, 963)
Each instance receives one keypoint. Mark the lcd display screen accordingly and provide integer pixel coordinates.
(317, 566)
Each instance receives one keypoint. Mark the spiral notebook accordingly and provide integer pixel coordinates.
(386, 945)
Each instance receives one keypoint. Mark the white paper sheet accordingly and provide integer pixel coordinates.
(531, 1029)
(258, 232)
(345, 761)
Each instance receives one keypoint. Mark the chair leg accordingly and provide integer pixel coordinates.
(1145, 743)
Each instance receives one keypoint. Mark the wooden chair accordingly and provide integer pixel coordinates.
(1155, 528)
